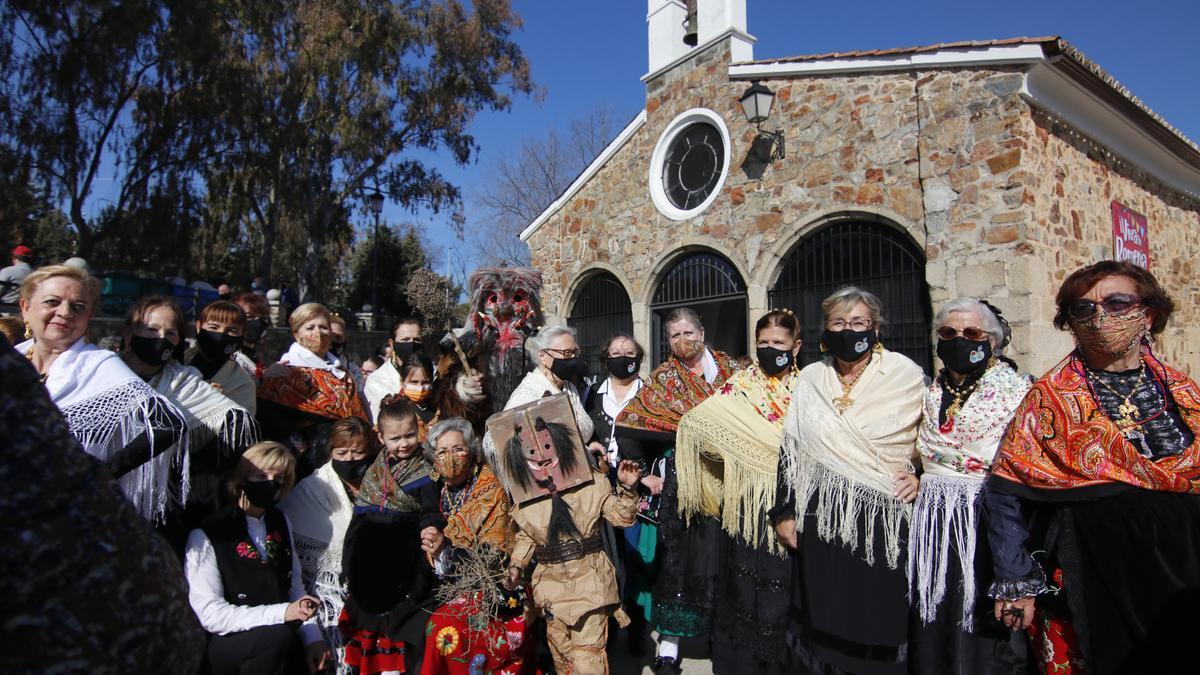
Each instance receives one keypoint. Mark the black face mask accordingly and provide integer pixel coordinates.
(151, 351)
(774, 361)
(254, 330)
(623, 367)
(262, 493)
(217, 346)
(351, 470)
(849, 345)
(566, 369)
(402, 350)
(336, 348)
(964, 356)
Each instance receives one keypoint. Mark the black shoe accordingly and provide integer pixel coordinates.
(665, 666)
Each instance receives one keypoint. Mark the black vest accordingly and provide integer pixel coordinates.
(246, 578)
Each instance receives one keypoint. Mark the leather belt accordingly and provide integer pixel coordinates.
(565, 551)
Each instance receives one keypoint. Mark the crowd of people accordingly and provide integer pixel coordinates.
(853, 515)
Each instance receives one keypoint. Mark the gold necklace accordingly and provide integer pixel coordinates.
(1127, 411)
(843, 402)
(960, 395)
(42, 377)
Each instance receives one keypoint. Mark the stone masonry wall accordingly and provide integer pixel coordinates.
(1004, 203)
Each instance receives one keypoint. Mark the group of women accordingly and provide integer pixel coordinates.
(850, 516)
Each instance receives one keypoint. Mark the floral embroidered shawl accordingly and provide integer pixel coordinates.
(482, 518)
(313, 391)
(393, 486)
(1061, 445)
(670, 392)
(727, 452)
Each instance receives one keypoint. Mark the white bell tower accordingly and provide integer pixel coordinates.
(666, 23)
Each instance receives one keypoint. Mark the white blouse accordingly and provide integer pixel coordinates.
(207, 597)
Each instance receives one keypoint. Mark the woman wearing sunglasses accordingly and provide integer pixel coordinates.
(966, 411)
(1097, 477)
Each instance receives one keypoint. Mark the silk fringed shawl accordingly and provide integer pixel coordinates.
(306, 385)
(1061, 445)
(955, 458)
(107, 406)
(848, 460)
(209, 413)
(670, 392)
(727, 453)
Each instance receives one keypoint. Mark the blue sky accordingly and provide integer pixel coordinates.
(586, 54)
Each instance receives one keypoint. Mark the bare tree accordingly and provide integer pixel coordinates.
(521, 185)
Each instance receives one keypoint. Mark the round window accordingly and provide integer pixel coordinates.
(692, 168)
(689, 164)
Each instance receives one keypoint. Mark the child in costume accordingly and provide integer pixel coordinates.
(560, 504)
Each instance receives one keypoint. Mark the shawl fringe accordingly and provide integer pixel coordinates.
(111, 420)
(946, 514)
(840, 502)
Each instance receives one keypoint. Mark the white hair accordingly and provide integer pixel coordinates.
(453, 424)
(990, 324)
(548, 334)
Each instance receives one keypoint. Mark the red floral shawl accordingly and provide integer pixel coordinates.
(1062, 445)
(671, 391)
(313, 391)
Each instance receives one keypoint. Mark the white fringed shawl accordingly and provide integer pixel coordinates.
(107, 406)
(206, 410)
(380, 384)
(848, 460)
(319, 511)
(956, 461)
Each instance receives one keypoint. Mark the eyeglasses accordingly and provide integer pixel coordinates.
(841, 324)
(1115, 305)
(970, 332)
(563, 353)
(458, 450)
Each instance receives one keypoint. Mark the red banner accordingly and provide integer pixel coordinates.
(1131, 235)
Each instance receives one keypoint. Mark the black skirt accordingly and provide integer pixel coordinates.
(847, 616)
(942, 646)
(751, 615)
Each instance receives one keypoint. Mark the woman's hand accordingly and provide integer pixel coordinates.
(302, 609)
(432, 540)
(786, 530)
(653, 483)
(1016, 614)
(318, 656)
(907, 485)
(513, 578)
(628, 473)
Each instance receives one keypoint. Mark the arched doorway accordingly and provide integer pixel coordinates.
(601, 308)
(712, 286)
(872, 256)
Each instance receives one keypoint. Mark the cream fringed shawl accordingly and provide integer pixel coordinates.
(320, 510)
(848, 459)
(107, 406)
(209, 413)
(727, 453)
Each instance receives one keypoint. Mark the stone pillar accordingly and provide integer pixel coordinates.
(279, 310)
(641, 333)
(757, 301)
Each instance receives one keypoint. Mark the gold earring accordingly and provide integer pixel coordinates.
(878, 349)
(28, 331)
(821, 347)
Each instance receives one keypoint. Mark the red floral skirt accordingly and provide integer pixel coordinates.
(452, 647)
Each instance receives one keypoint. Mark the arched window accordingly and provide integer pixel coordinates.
(601, 308)
(872, 256)
(711, 285)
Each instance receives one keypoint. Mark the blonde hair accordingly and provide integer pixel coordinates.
(305, 313)
(846, 298)
(91, 285)
(337, 318)
(264, 456)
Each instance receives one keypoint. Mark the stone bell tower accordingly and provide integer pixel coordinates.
(676, 28)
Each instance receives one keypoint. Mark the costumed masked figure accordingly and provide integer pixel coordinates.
(560, 506)
(505, 306)
(849, 441)
(726, 456)
(684, 589)
(966, 410)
